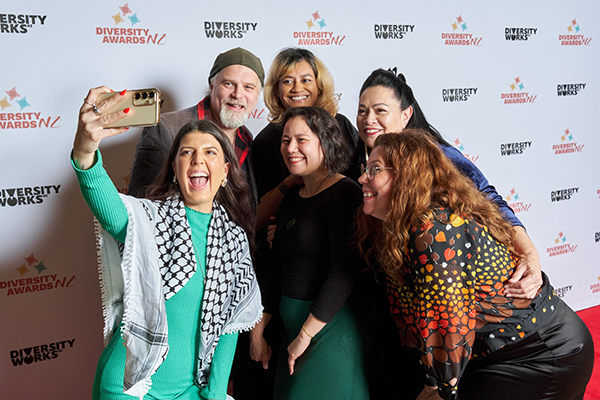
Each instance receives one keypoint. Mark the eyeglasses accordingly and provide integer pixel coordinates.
(371, 170)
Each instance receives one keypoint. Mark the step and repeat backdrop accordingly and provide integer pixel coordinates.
(513, 85)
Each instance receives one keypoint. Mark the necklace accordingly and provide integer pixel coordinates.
(292, 221)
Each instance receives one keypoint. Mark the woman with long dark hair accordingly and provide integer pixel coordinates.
(447, 251)
(175, 268)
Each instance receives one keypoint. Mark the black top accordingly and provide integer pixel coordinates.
(269, 167)
(311, 257)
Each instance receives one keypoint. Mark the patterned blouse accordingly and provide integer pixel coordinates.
(451, 306)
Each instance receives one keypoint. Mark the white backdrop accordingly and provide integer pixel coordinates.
(463, 59)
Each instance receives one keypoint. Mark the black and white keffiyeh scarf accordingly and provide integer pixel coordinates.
(156, 261)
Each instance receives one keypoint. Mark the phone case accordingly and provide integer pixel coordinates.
(144, 105)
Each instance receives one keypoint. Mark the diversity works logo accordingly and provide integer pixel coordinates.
(573, 37)
(514, 201)
(129, 32)
(561, 246)
(563, 194)
(228, 30)
(28, 195)
(519, 34)
(567, 144)
(561, 291)
(515, 148)
(461, 147)
(42, 281)
(458, 94)
(569, 89)
(392, 31)
(459, 36)
(17, 113)
(20, 23)
(42, 352)
(315, 35)
(517, 94)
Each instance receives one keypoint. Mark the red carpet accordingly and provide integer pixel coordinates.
(591, 317)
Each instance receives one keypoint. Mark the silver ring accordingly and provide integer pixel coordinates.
(95, 109)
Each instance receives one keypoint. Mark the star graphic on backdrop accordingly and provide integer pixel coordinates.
(517, 196)
(12, 93)
(569, 28)
(574, 22)
(517, 80)
(560, 234)
(567, 131)
(512, 87)
(316, 15)
(513, 191)
(454, 26)
(507, 198)
(125, 9)
(134, 19)
(22, 269)
(464, 27)
(23, 103)
(322, 23)
(563, 138)
(577, 28)
(459, 19)
(461, 147)
(117, 18)
(570, 137)
(31, 259)
(4, 104)
(564, 239)
(40, 267)
(310, 23)
(456, 142)
(556, 241)
(521, 86)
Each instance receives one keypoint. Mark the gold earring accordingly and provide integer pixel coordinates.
(224, 183)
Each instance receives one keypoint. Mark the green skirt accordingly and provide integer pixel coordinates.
(334, 366)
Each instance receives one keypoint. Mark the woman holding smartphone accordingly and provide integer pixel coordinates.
(175, 268)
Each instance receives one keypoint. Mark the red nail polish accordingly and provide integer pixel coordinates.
(123, 92)
(126, 110)
(112, 90)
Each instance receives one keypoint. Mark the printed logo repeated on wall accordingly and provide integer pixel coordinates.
(228, 30)
(563, 194)
(513, 202)
(518, 96)
(512, 149)
(460, 147)
(42, 352)
(23, 118)
(561, 291)
(458, 94)
(574, 38)
(392, 31)
(595, 288)
(561, 246)
(458, 36)
(314, 35)
(569, 89)
(129, 32)
(20, 23)
(515, 34)
(26, 195)
(567, 145)
(41, 282)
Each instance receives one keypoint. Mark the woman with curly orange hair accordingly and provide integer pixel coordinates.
(446, 251)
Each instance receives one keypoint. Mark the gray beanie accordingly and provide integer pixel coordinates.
(238, 56)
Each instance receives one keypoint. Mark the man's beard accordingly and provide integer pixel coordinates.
(233, 119)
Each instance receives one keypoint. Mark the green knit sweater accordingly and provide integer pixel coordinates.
(175, 377)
